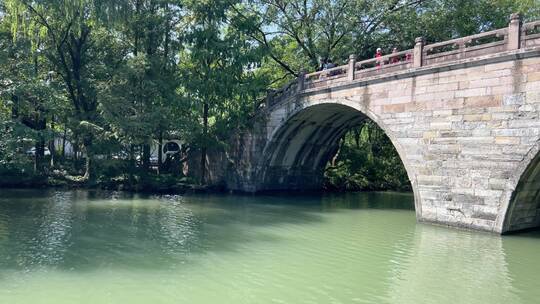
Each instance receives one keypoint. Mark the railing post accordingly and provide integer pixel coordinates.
(514, 32)
(418, 52)
(350, 71)
(301, 81)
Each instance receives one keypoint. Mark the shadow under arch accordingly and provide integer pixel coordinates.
(523, 209)
(298, 150)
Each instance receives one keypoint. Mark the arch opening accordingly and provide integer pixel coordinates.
(366, 160)
(298, 154)
(524, 208)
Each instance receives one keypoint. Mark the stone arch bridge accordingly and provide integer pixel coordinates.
(464, 116)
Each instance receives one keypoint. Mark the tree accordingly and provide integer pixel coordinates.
(319, 29)
(141, 92)
(67, 31)
(28, 87)
(217, 70)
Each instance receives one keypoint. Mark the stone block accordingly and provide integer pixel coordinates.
(430, 179)
(500, 73)
(481, 132)
(471, 92)
(438, 113)
(430, 134)
(500, 90)
(434, 96)
(444, 148)
(485, 212)
(445, 104)
(524, 123)
(462, 85)
(514, 99)
(462, 182)
(441, 125)
(499, 66)
(528, 108)
(443, 87)
(394, 108)
(483, 101)
(490, 82)
(477, 117)
(414, 134)
(533, 76)
(502, 116)
(533, 86)
(503, 140)
(399, 100)
(462, 110)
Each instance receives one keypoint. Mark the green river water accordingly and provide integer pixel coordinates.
(95, 247)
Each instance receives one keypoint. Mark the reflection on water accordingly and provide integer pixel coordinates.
(92, 247)
(470, 266)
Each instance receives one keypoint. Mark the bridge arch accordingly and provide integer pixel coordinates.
(463, 121)
(299, 147)
(522, 208)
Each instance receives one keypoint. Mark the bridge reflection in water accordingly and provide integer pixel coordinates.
(435, 266)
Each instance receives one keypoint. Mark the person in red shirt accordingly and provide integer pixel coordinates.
(394, 59)
(378, 55)
(408, 57)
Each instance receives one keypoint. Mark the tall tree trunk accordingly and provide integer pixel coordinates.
(341, 143)
(131, 164)
(64, 142)
(87, 144)
(15, 107)
(51, 145)
(39, 156)
(205, 139)
(160, 152)
(87, 169)
(145, 160)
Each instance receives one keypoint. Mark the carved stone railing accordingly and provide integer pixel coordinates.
(517, 35)
(468, 47)
(530, 34)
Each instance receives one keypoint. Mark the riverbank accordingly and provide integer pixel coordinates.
(116, 176)
(162, 184)
(152, 183)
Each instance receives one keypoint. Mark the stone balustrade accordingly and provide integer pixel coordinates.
(516, 35)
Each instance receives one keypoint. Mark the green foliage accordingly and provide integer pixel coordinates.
(108, 170)
(366, 160)
(16, 167)
(218, 64)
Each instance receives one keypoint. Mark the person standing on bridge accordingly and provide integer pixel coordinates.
(329, 64)
(322, 64)
(395, 58)
(378, 55)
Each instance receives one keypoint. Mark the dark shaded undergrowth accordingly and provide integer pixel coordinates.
(366, 161)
